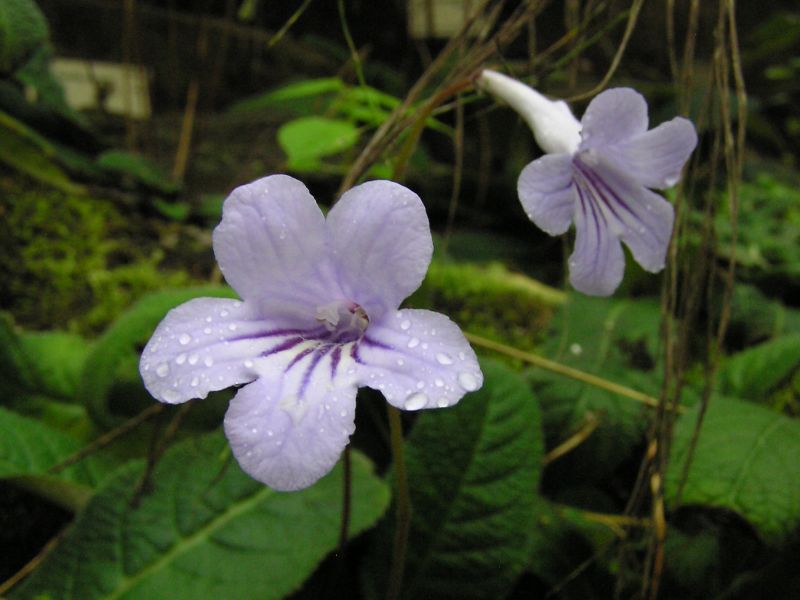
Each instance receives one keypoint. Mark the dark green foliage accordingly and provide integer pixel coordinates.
(200, 529)
(22, 30)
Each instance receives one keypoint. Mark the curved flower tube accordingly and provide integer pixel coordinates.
(596, 174)
(318, 318)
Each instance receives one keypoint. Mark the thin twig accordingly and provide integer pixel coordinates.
(590, 423)
(403, 505)
(566, 371)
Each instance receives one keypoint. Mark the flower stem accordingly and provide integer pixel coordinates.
(570, 372)
(402, 504)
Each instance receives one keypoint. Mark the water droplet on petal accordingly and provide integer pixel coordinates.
(193, 359)
(223, 313)
(416, 401)
(467, 381)
(420, 385)
(162, 370)
(413, 342)
(180, 359)
(400, 362)
(439, 382)
(248, 364)
(444, 359)
(184, 339)
(209, 319)
(424, 346)
(461, 355)
(232, 326)
(208, 361)
(194, 382)
(405, 325)
(171, 396)
(207, 330)
(442, 403)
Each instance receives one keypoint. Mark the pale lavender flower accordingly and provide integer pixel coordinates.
(596, 173)
(319, 318)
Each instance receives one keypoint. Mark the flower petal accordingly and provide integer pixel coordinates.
(381, 241)
(417, 359)
(204, 345)
(271, 246)
(612, 117)
(288, 428)
(547, 194)
(597, 263)
(655, 158)
(641, 218)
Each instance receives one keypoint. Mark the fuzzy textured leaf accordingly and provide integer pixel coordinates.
(202, 529)
(757, 371)
(474, 471)
(121, 338)
(745, 460)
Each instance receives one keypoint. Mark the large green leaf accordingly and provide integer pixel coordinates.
(758, 371)
(474, 472)
(121, 339)
(307, 140)
(56, 362)
(202, 529)
(22, 29)
(745, 460)
(28, 448)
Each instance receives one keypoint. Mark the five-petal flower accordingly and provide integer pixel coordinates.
(596, 173)
(318, 318)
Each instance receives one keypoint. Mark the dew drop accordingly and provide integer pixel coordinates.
(248, 364)
(442, 403)
(209, 319)
(467, 381)
(223, 313)
(444, 359)
(405, 325)
(208, 361)
(424, 346)
(207, 330)
(162, 370)
(343, 413)
(416, 401)
(420, 385)
(180, 359)
(576, 349)
(439, 382)
(400, 362)
(269, 433)
(184, 339)
(232, 326)
(194, 382)
(171, 396)
(193, 359)
(413, 342)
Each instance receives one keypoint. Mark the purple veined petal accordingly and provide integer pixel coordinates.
(613, 117)
(271, 247)
(381, 242)
(547, 194)
(417, 359)
(208, 344)
(655, 158)
(288, 428)
(597, 264)
(641, 218)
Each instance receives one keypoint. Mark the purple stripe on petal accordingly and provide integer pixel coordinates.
(284, 345)
(375, 343)
(354, 354)
(298, 357)
(319, 354)
(336, 356)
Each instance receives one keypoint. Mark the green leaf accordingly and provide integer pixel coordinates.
(132, 170)
(15, 364)
(309, 139)
(29, 448)
(745, 460)
(124, 336)
(756, 372)
(474, 472)
(22, 29)
(202, 529)
(289, 95)
(56, 361)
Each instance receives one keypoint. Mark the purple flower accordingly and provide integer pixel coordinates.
(597, 174)
(319, 318)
